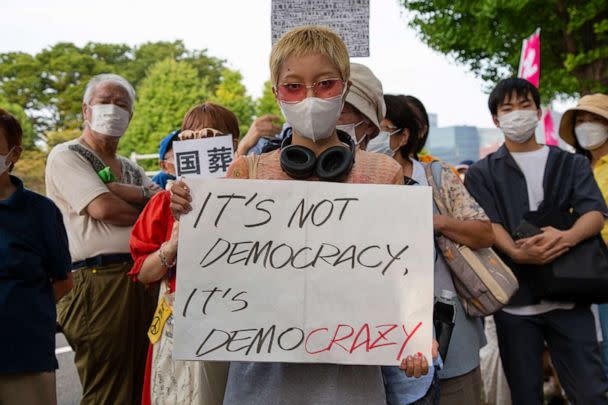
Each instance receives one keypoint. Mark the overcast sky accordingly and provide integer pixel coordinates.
(239, 31)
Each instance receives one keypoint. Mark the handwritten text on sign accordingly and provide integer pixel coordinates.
(295, 271)
(209, 157)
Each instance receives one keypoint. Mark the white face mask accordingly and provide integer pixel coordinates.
(350, 129)
(591, 135)
(109, 119)
(382, 143)
(313, 118)
(4, 162)
(519, 125)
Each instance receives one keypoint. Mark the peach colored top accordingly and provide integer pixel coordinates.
(369, 168)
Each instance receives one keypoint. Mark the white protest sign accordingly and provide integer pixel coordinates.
(208, 157)
(348, 18)
(293, 271)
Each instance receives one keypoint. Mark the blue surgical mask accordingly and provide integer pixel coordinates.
(382, 143)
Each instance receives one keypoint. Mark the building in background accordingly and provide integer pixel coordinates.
(454, 144)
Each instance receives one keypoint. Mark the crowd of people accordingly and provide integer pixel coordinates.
(98, 255)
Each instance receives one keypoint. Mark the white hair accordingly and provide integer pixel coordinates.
(104, 78)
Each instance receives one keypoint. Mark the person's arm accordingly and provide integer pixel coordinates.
(132, 194)
(586, 226)
(128, 193)
(262, 127)
(109, 208)
(153, 269)
(475, 234)
(77, 183)
(552, 243)
(467, 223)
(587, 201)
(532, 254)
(57, 258)
(505, 243)
(62, 287)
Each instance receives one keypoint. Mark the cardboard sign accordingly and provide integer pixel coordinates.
(348, 18)
(207, 157)
(292, 271)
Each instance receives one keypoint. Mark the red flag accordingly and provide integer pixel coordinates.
(529, 64)
(550, 135)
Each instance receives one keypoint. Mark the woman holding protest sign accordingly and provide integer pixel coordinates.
(467, 224)
(310, 73)
(154, 249)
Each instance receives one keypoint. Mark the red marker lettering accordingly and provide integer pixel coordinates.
(382, 335)
(407, 339)
(312, 332)
(335, 341)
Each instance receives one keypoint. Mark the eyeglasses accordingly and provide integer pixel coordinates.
(294, 92)
(200, 133)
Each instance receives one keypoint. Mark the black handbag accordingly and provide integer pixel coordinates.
(579, 275)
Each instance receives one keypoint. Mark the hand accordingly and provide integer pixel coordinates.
(415, 366)
(543, 248)
(439, 222)
(435, 350)
(180, 199)
(262, 127)
(172, 243)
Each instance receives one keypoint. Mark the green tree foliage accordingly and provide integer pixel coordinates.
(486, 35)
(147, 55)
(50, 85)
(54, 138)
(17, 111)
(30, 169)
(267, 103)
(232, 94)
(165, 95)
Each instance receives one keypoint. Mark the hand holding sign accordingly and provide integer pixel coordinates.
(180, 199)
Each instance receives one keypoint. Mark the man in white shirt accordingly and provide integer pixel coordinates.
(523, 177)
(100, 194)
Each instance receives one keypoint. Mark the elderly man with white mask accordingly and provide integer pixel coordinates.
(100, 194)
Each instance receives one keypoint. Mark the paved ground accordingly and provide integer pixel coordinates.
(68, 384)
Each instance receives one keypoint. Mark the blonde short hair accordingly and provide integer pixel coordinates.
(306, 40)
